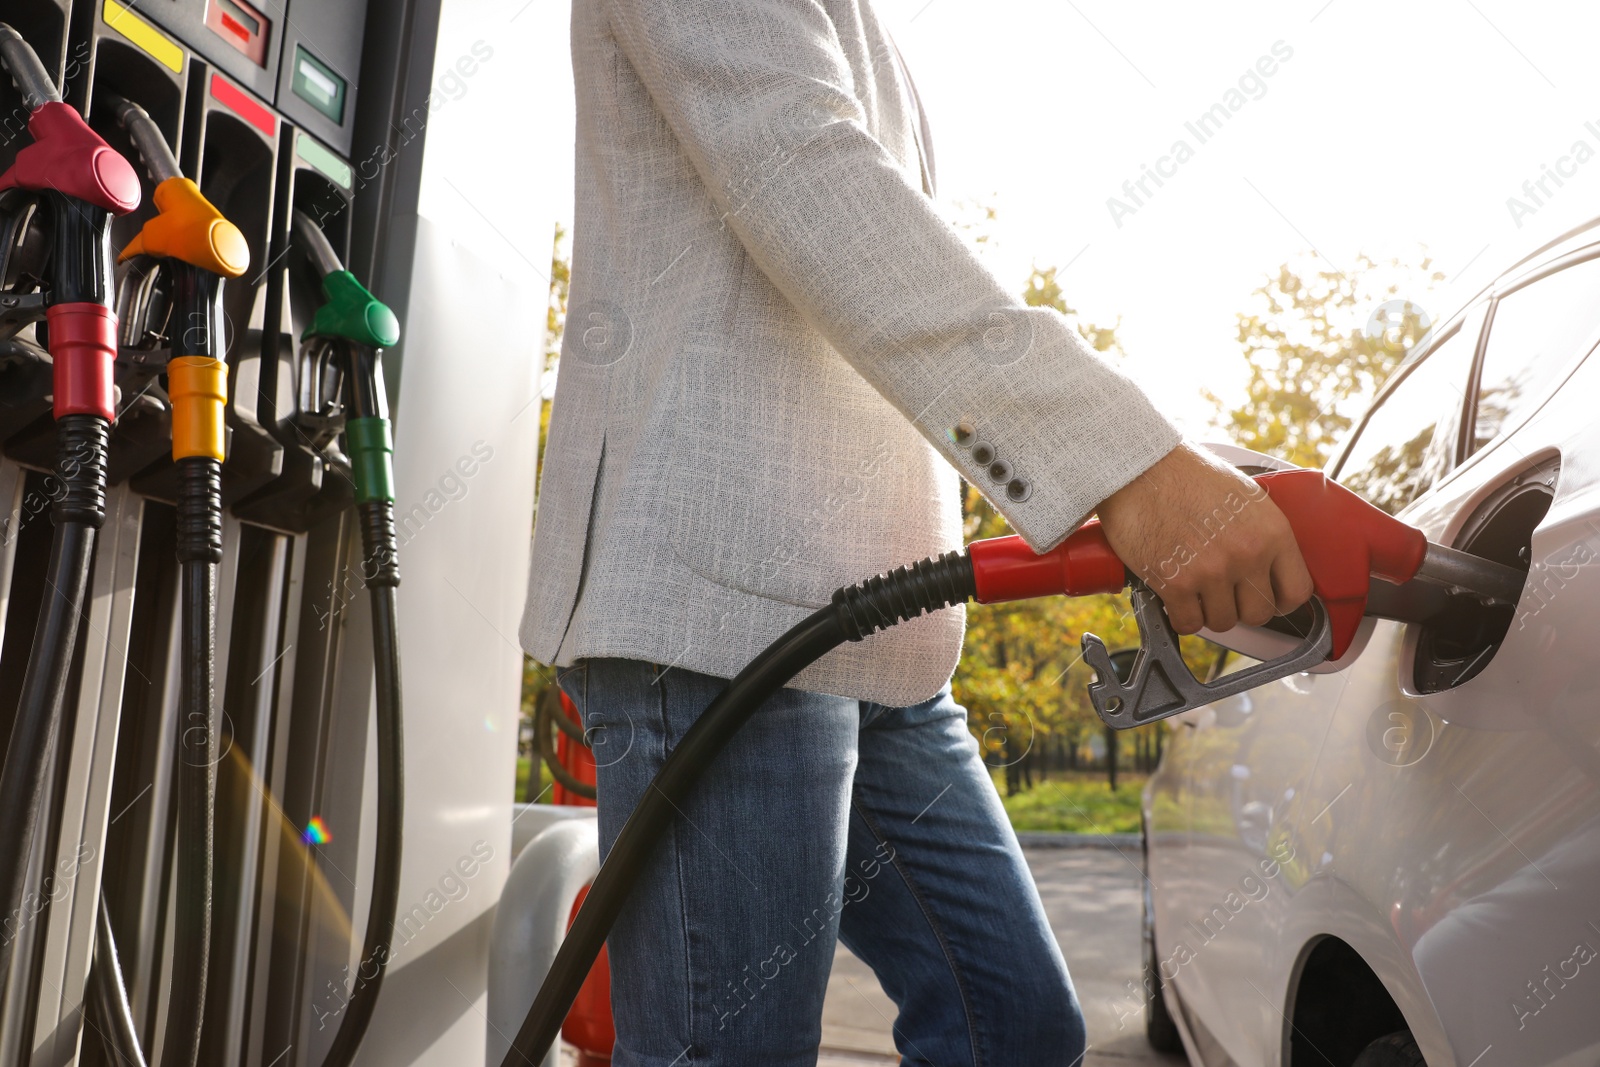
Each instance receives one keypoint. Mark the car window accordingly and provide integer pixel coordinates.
(1536, 331)
(1409, 439)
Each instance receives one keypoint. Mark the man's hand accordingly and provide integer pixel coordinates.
(1208, 540)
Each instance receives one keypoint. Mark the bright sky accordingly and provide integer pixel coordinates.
(1388, 127)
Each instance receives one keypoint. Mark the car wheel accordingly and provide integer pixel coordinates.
(1159, 1029)
(1393, 1050)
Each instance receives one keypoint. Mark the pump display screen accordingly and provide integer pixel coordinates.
(242, 26)
(318, 86)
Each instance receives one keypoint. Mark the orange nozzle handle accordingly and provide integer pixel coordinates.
(187, 227)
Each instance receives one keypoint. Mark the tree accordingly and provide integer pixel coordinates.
(1022, 677)
(1042, 291)
(537, 679)
(1316, 342)
(555, 323)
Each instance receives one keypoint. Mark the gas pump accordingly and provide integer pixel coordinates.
(267, 537)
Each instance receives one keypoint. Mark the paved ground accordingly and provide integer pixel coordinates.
(1092, 898)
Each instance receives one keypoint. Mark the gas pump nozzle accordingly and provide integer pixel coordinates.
(1351, 548)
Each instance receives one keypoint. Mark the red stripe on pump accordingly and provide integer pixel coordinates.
(236, 100)
(83, 347)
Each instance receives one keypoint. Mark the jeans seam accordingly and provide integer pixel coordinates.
(677, 866)
(938, 934)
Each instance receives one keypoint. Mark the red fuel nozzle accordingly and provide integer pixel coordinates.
(72, 163)
(1345, 541)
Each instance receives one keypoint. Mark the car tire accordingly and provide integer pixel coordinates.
(1159, 1029)
(1398, 1049)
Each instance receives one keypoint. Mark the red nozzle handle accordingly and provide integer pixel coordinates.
(69, 157)
(1345, 541)
(1005, 568)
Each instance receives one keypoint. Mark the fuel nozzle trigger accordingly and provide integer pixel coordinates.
(1160, 684)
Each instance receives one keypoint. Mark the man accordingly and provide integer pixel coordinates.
(775, 354)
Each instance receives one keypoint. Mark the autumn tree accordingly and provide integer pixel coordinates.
(1318, 342)
(1022, 677)
(538, 681)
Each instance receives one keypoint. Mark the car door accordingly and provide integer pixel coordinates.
(1258, 832)
(1466, 871)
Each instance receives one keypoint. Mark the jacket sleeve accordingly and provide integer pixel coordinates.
(762, 100)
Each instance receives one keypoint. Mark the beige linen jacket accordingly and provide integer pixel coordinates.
(778, 355)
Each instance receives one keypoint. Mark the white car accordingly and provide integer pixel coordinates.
(1399, 863)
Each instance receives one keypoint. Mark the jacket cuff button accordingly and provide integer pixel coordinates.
(983, 453)
(1019, 489)
(962, 433)
(1000, 471)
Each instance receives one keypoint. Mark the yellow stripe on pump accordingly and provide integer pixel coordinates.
(124, 21)
(198, 386)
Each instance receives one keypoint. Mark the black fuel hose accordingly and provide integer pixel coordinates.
(199, 540)
(550, 711)
(114, 1014)
(381, 570)
(77, 513)
(854, 613)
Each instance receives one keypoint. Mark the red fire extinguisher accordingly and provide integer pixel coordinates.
(575, 757)
(588, 1027)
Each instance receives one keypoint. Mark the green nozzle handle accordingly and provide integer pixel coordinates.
(353, 313)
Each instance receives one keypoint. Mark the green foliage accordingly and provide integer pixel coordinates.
(1079, 804)
(555, 323)
(1022, 677)
(1312, 358)
(525, 766)
(536, 677)
(1043, 291)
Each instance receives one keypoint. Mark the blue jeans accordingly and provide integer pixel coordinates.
(824, 819)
